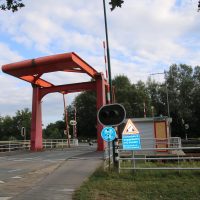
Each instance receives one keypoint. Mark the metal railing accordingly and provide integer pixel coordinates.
(16, 145)
(163, 159)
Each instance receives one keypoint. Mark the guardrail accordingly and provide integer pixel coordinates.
(15, 145)
(162, 159)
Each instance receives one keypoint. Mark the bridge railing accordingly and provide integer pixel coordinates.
(16, 145)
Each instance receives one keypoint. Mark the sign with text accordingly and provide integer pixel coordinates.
(131, 137)
(131, 142)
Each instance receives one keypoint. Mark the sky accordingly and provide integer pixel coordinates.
(145, 36)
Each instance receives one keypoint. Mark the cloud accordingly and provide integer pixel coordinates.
(145, 37)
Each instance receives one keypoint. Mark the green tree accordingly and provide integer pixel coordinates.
(8, 129)
(180, 83)
(21, 119)
(195, 124)
(86, 114)
(123, 91)
(13, 5)
(54, 130)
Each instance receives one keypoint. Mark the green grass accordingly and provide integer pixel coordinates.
(142, 185)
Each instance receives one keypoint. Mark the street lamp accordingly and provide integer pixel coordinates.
(114, 4)
(167, 93)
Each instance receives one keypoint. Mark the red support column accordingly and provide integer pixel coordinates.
(36, 123)
(101, 100)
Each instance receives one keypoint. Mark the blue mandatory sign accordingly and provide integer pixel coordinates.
(108, 134)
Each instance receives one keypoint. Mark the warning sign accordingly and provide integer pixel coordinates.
(131, 137)
(130, 128)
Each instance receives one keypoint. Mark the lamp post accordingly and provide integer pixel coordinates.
(108, 51)
(167, 93)
(113, 3)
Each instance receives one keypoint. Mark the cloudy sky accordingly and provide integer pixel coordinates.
(146, 36)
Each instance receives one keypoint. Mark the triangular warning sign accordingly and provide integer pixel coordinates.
(130, 128)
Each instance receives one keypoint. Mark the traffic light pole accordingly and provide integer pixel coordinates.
(108, 52)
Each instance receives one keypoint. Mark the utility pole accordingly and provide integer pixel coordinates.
(108, 51)
(114, 4)
(167, 93)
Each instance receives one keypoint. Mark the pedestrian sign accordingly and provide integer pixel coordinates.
(108, 134)
(130, 128)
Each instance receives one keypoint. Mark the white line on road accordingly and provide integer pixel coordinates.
(2, 182)
(66, 190)
(53, 160)
(16, 177)
(14, 170)
(5, 198)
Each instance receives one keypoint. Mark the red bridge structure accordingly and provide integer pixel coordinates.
(32, 71)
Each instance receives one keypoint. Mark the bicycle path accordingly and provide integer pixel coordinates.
(65, 179)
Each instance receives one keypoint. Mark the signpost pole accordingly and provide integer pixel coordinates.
(108, 134)
(66, 120)
(109, 153)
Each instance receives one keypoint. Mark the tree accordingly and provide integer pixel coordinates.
(21, 119)
(7, 128)
(86, 114)
(54, 130)
(13, 5)
(195, 107)
(123, 91)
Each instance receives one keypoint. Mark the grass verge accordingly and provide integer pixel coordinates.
(142, 185)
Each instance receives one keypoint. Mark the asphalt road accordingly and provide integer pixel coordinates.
(46, 175)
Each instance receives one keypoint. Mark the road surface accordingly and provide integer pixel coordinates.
(46, 175)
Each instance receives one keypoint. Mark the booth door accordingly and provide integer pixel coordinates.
(160, 129)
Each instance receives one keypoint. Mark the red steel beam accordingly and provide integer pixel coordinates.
(75, 87)
(60, 62)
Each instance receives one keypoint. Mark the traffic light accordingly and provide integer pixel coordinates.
(111, 114)
(116, 3)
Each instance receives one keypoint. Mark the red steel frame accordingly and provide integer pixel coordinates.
(32, 71)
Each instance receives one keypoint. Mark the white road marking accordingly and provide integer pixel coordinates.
(14, 170)
(5, 198)
(66, 190)
(2, 182)
(16, 177)
(53, 160)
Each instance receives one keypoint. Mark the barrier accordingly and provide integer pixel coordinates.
(16, 145)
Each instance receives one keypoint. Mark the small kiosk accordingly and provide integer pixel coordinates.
(154, 132)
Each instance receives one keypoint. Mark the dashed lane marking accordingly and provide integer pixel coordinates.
(2, 182)
(16, 177)
(14, 170)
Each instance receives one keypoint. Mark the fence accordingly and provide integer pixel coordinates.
(15, 145)
(161, 159)
(155, 154)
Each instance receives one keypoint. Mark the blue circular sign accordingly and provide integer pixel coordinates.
(108, 134)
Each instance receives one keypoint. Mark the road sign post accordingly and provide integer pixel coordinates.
(108, 134)
(73, 123)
